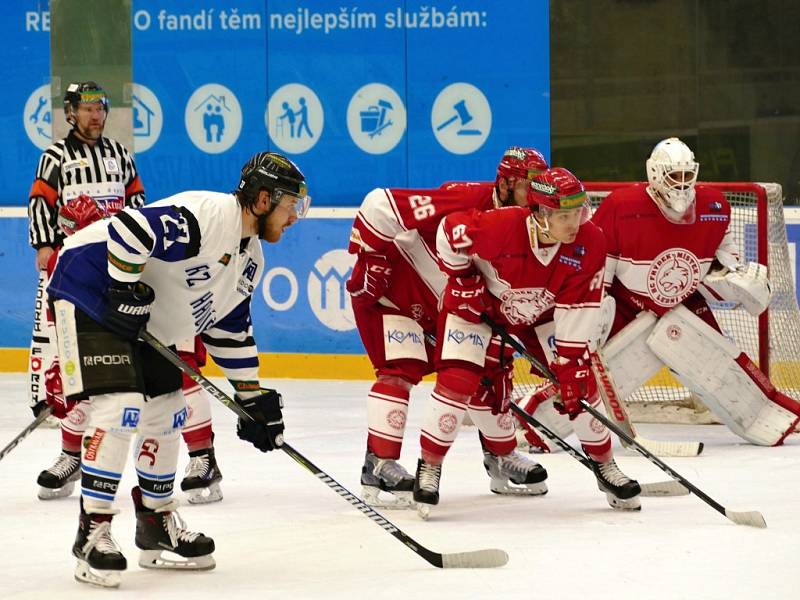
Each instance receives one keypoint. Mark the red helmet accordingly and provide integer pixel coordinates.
(78, 213)
(521, 163)
(557, 189)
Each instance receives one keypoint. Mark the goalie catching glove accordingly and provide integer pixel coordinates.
(575, 383)
(747, 285)
(265, 429)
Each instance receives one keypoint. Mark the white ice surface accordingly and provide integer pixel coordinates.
(281, 533)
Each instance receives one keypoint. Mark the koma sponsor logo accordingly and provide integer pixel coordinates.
(399, 336)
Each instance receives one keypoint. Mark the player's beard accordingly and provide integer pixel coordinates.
(92, 133)
(266, 229)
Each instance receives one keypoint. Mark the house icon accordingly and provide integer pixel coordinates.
(142, 117)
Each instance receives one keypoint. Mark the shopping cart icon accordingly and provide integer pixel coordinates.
(373, 120)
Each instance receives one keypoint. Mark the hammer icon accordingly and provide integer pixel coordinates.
(462, 113)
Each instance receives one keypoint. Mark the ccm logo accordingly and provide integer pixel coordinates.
(106, 359)
(467, 293)
(380, 269)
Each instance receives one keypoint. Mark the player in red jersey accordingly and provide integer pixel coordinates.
(669, 253)
(395, 287)
(537, 271)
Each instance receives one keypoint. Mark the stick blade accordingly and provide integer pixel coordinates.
(663, 448)
(663, 489)
(752, 518)
(476, 559)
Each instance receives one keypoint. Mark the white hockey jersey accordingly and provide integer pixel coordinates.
(189, 249)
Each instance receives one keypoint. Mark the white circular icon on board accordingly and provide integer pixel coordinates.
(37, 116)
(294, 118)
(461, 118)
(147, 118)
(213, 118)
(376, 118)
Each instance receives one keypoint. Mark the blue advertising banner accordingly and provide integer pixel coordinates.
(362, 94)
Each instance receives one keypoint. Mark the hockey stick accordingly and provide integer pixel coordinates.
(24, 433)
(752, 518)
(475, 559)
(660, 488)
(615, 406)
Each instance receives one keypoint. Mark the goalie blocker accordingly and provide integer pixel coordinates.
(726, 380)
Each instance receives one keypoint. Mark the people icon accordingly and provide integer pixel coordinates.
(290, 116)
(213, 121)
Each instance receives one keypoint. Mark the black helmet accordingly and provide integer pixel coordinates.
(83, 91)
(276, 173)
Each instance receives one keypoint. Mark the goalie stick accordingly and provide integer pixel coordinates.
(615, 406)
(660, 488)
(40, 418)
(752, 518)
(475, 559)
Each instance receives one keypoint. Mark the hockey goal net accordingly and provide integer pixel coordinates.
(772, 340)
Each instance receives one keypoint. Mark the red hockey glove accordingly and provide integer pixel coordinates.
(576, 382)
(370, 278)
(498, 381)
(466, 297)
(54, 391)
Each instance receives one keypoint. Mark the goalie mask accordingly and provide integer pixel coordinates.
(559, 203)
(517, 164)
(672, 173)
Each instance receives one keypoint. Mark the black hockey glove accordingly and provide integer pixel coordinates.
(128, 308)
(265, 431)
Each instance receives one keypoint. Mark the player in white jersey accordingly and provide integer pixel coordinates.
(84, 162)
(203, 259)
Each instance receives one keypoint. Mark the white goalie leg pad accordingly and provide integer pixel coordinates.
(544, 411)
(628, 357)
(198, 406)
(705, 362)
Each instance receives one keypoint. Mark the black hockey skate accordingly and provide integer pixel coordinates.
(202, 477)
(163, 530)
(426, 487)
(59, 480)
(514, 474)
(100, 561)
(386, 474)
(622, 492)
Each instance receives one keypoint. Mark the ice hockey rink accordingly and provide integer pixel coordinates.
(281, 533)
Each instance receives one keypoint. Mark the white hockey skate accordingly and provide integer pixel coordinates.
(514, 474)
(59, 480)
(202, 477)
(621, 491)
(426, 487)
(386, 475)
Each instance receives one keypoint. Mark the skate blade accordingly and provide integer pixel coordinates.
(51, 422)
(525, 489)
(207, 495)
(424, 511)
(389, 500)
(163, 559)
(629, 504)
(53, 493)
(97, 577)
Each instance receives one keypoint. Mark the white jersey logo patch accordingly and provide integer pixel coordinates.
(673, 276)
(110, 163)
(525, 305)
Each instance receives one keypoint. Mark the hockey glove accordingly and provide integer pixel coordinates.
(370, 278)
(128, 308)
(575, 382)
(265, 430)
(466, 297)
(498, 381)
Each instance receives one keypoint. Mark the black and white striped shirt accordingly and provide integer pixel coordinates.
(105, 171)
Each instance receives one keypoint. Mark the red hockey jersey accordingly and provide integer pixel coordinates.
(653, 263)
(530, 283)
